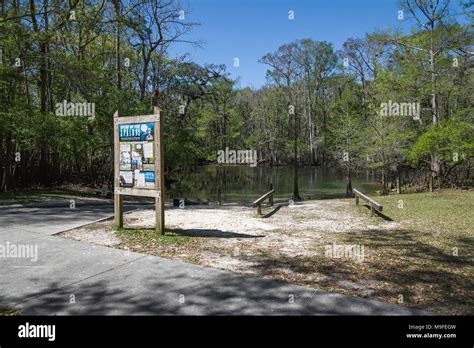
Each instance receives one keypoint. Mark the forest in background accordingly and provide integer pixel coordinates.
(320, 106)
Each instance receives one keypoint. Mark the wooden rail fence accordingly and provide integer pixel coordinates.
(258, 203)
(373, 204)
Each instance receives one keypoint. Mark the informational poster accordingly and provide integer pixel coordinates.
(136, 132)
(137, 157)
(126, 178)
(148, 150)
(149, 179)
(140, 177)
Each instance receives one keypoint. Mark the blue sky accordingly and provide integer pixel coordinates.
(248, 29)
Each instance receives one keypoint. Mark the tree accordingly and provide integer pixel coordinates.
(434, 39)
(284, 74)
(451, 139)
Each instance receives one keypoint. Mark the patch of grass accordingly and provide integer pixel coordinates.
(429, 260)
(172, 245)
(149, 237)
(9, 311)
(448, 212)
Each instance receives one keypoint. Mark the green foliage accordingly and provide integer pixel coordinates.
(335, 104)
(452, 139)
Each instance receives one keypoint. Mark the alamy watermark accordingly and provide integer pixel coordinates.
(339, 251)
(237, 157)
(401, 109)
(37, 331)
(75, 109)
(19, 251)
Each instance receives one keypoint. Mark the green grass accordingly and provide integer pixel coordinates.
(444, 217)
(450, 212)
(172, 243)
(429, 259)
(150, 238)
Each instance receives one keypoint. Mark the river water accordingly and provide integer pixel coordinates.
(243, 184)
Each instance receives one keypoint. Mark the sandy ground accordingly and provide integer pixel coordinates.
(234, 238)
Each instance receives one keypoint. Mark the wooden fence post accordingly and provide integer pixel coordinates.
(270, 198)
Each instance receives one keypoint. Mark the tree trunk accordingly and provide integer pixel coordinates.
(296, 194)
(349, 183)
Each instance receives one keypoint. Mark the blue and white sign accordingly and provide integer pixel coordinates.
(149, 176)
(137, 131)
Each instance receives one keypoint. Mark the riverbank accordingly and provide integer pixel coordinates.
(421, 259)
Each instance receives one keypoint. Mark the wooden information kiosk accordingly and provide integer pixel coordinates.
(138, 163)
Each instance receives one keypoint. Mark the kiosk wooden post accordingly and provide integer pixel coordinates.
(159, 175)
(139, 163)
(118, 199)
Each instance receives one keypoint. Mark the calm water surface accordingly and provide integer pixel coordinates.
(243, 184)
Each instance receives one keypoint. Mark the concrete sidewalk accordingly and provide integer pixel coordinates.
(77, 278)
(51, 219)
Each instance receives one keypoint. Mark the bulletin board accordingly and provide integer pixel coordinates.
(137, 155)
(138, 162)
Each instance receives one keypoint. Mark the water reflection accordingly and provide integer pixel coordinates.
(242, 184)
